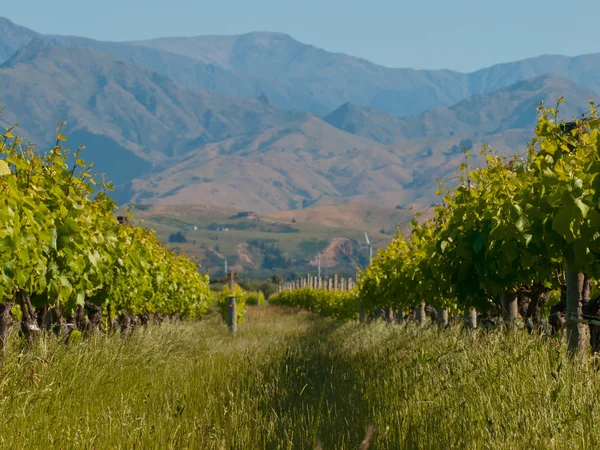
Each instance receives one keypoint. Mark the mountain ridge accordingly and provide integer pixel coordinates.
(513, 107)
(176, 144)
(295, 75)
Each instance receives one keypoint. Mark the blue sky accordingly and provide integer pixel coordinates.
(462, 35)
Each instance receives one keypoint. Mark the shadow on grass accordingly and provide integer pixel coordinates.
(319, 398)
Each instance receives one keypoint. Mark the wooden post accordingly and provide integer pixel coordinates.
(350, 284)
(510, 307)
(420, 313)
(389, 315)
(442, 314)
(400, 317)
(576, 331)
(231, 315)
(471, 318)
(335, 282)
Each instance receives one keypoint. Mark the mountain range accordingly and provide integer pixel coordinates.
(263, 122)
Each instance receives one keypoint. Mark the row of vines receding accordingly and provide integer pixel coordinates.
(65, 260)
(515, 236)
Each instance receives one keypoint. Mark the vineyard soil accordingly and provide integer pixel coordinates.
(291, 380)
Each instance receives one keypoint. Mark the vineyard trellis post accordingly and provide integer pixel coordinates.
(400, 317)
(510, 307)
(442, 314)
(576, 332)
(389, 315)
(420, 313)
(471, 317)
(231, 308)
(231, 315)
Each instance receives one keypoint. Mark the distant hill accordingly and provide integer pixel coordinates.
(294, 75)
(279, 168)
(154, 118)
(371, 123)
(357, 216)
(161, 142)
(328, 80)
(512, 107)
(12, 38)
(135, 117)
(260, 246)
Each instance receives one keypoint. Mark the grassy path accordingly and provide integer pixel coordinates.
(292, 380)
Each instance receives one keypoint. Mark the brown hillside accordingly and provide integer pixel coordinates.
(351, 215)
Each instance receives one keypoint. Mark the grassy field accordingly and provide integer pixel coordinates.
(295, 381)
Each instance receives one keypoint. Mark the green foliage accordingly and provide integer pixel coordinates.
(178, 237)
(61, 245)
(511, 223)
(266, 287)
(340, 305)
(255, 298)
(313, 246)
(273, 255)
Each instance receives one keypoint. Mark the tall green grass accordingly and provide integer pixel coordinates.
(295, 381)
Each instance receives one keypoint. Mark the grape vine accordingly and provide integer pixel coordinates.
(64, 257)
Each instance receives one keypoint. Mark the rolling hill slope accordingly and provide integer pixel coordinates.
(261, 245)
(357, 216)
(129, 117)
(510, 108)
(279, 168)
(310, 162)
